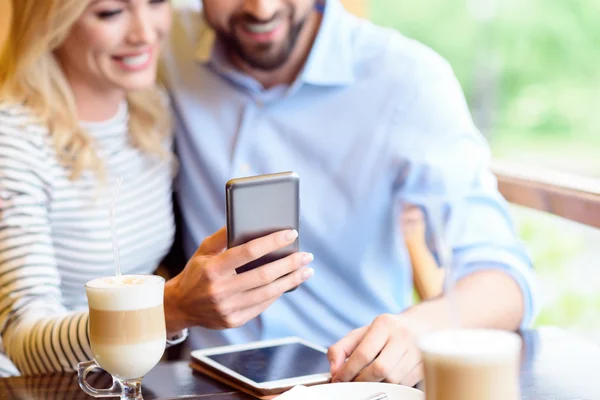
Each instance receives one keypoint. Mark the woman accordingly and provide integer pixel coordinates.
(79, 110)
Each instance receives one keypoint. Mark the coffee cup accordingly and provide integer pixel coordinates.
(471, 365)
(127, 331)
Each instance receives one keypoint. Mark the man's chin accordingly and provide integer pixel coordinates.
(266, 63)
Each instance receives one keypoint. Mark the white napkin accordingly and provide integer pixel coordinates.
(298, 393)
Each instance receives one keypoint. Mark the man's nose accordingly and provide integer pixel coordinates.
(262, 10)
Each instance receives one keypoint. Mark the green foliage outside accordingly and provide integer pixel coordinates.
(535, 65)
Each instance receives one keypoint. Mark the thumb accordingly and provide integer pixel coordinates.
(213, 244)
(339, 352)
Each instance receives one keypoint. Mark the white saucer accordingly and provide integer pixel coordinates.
(359, 390)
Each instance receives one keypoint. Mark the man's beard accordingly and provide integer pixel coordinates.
(266, 57)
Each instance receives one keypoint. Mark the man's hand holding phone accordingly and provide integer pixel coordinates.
(209, 292)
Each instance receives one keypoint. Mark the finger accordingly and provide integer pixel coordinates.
(339, 352)
(268, 273)
(414, 376)
(241, 317)
(409, 362)
(255, 249)
(364, 354)
(274, 289)
(214, 244)
(391, 355)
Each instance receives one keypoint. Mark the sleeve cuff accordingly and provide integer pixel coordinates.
(177, 338)
(525, 278)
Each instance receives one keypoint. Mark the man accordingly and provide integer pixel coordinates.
(369, 120)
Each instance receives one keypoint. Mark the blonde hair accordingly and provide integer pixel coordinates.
(31, 75)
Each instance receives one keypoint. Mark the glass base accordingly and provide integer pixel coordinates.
(131, 390)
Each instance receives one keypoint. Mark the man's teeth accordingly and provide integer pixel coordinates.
(263, 28)
(136, 61)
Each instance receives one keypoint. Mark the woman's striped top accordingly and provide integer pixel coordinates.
(55, 234)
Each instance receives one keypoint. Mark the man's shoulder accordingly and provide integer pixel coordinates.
(394, 55)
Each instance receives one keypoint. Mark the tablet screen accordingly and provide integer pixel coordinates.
(275, 362)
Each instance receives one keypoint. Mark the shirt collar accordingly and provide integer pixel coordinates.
(330, 62)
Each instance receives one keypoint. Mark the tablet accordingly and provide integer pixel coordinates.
(268, 366)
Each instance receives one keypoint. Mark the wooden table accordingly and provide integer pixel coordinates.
(556, 366)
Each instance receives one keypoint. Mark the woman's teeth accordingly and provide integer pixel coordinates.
(263, 28)
(136, 61)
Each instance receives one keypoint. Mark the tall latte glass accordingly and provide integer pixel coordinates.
(471, 365)
(127, 332)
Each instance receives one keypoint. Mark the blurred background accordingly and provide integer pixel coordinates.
(530, 71)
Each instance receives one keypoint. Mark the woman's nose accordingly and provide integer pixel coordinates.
(142, 30)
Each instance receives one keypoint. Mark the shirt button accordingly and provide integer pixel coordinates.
(259, 103)
(245, 168)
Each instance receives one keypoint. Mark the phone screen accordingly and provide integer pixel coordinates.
(275, 362)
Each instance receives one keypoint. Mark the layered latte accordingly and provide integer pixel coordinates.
(127, 323)
(471, 365)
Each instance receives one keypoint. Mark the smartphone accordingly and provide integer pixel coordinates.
(267, 367)
(260, 205)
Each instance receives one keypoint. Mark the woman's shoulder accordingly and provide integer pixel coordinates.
(20, 128)
(15, 113)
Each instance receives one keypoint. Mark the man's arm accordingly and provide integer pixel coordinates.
(488, 299)
(443, 164)
(444, 167)
(386, 350)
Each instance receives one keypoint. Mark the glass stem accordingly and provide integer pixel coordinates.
(132, 390)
